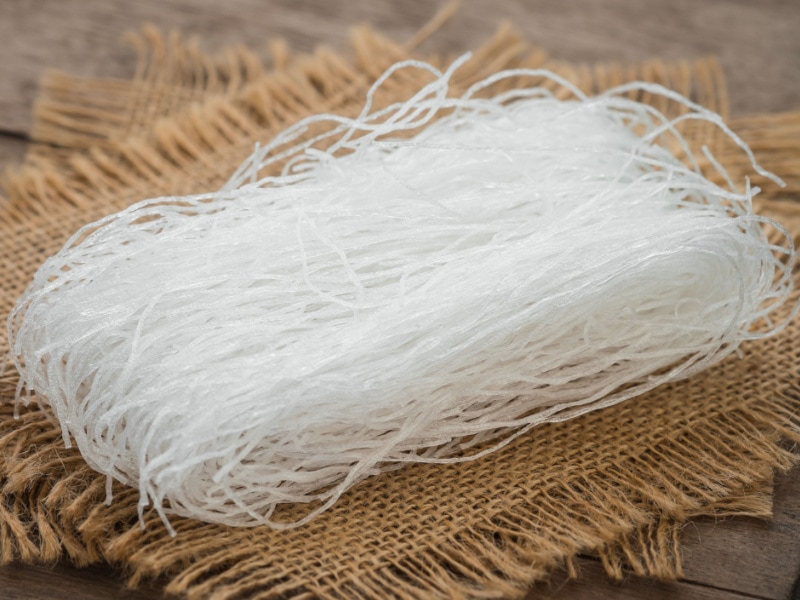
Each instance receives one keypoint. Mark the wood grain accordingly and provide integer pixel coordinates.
(751, 556)
(26, 582)
(593, 585)
(757, 44)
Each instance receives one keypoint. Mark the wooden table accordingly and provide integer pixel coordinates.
(757, 42)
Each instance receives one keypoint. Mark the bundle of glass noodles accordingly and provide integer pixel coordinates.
(424, 282)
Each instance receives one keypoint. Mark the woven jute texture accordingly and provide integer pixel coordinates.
(617, 483)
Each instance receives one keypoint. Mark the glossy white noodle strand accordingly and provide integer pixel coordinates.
(423, 282)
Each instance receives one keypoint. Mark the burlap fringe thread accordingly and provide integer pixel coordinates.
(617, 483)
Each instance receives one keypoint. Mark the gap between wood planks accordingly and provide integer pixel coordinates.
(592, 585)
(12, 148)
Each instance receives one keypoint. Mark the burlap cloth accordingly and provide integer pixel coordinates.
(616, 483)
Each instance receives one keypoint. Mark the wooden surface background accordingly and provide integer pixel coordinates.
(757, 43)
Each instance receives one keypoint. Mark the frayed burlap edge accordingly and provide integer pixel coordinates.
(73, 113)
(627, 511)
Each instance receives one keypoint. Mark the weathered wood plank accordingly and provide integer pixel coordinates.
(593, 585)
(751, 556)
(757, 42)
(26, 582)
